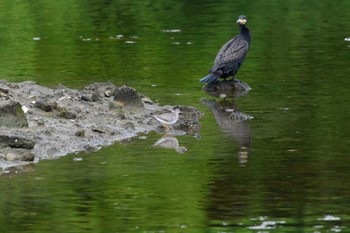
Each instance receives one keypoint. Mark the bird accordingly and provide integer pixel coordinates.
(232, 54)
(169, 118)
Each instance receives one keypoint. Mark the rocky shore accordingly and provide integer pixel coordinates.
(38, 122)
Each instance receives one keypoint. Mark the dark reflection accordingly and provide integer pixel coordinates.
(234, 123)
(230, 119)
(170, 142)
(226, 195)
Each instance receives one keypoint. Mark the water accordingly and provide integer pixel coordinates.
(286, 170)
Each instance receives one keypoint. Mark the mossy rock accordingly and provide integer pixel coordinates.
(12, 115)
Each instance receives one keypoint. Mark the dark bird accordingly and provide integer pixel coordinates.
(231, 55)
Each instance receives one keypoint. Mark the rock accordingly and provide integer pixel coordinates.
(4, 93)
(188, 119)
(91, 97)
(128, 98)
(4, 90)
(95, 97)
(12, 115)
(109, 93)
(129, 125)
(17, 141)
(44, 105)
(28, 157)
(227, 88)
(68, 115)
(80, 133)
(86, 98)
(10, 156)
(98, 130)
(102, 88)
(58, 107)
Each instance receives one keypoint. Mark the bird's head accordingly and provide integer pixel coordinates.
(177, 110)
(242, 20)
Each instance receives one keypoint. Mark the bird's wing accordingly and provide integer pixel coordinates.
(233, 50)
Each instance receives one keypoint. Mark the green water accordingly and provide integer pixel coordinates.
(286, 170)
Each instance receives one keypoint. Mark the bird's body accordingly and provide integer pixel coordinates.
(168, 118)
(232, 54)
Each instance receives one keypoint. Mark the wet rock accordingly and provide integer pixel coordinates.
(28, 156)
(86, 98)
(80, 133)
(13, 155)
(58, 107)
(98, 130)
(147, 100)
(17, 141)
(188, 119)
(109, 93)
(10, 156)
(12, 85)
(4, 90)
(4, 93)
(128, 98)
(60, 123)
(91, 97)
(67, 115)
(103, 88)
(44, 105)
(227, 88)
(129, 125)
(12, 115)
(95, 97)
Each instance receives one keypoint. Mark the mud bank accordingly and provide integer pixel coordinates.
(38, 122)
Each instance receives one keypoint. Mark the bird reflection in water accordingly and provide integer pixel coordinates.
(170, 142)
(231, 121)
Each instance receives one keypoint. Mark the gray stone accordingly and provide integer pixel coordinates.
(68, 115)
(12, 115)
(44, 105)
(80, 133)
(17, 141)
(227, 88)
(128, 98)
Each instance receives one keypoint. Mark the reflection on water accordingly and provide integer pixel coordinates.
(234, 123)
(231, 121)
(170, 142)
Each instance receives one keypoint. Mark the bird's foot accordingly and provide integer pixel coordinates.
(166, 127)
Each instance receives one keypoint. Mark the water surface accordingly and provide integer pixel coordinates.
(286, 170)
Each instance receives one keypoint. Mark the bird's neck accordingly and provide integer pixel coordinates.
(244, 31)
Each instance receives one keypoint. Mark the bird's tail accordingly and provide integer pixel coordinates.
(210, 78)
